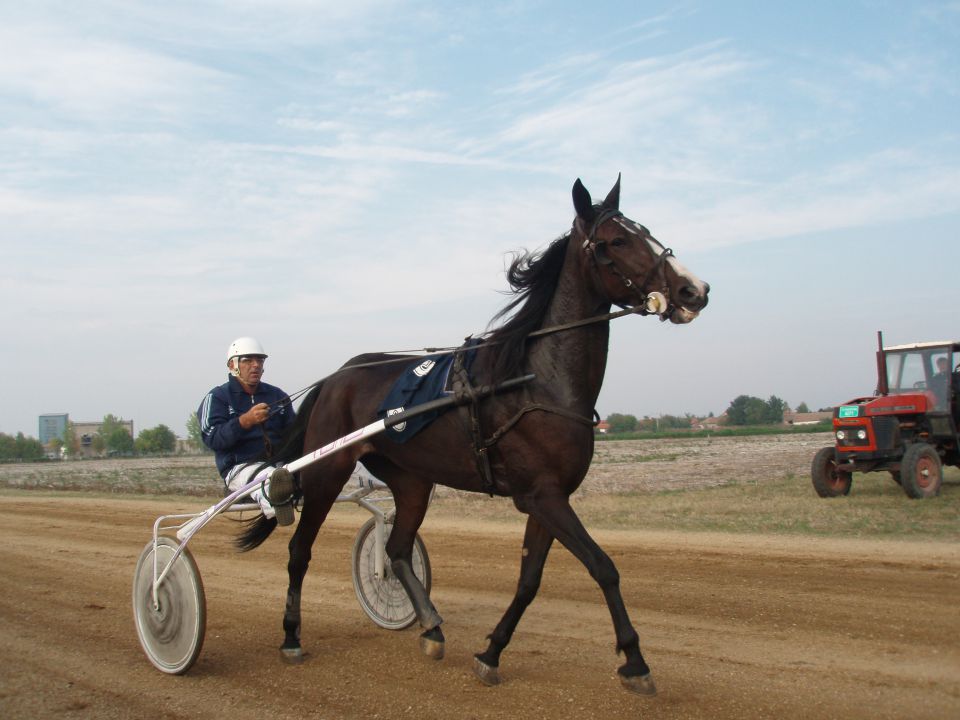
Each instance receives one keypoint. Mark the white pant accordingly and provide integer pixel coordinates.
(240, 475)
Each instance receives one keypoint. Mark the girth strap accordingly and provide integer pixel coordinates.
(507, 426)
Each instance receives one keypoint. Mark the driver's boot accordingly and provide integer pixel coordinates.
(280, 489)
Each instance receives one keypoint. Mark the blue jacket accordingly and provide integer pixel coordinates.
(219, 416)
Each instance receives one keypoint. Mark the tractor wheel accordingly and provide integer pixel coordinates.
(827, 480)
(921, 472)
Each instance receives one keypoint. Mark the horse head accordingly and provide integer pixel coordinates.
(631, 268)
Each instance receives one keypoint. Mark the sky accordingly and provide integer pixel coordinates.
(336, 178)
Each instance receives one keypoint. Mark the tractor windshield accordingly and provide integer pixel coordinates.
(910, 371)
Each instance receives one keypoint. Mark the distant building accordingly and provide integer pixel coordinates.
(52, 426)
(713, 423)
(807, 418)
(85, 432)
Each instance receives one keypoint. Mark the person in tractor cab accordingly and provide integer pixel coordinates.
(940, 383)
(240, 421)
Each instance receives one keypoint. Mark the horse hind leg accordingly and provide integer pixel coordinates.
(536, 545)
(411, 507)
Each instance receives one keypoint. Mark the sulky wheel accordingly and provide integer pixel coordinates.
(171, 634)
(384, 599)
(921, 472)
(827, 480)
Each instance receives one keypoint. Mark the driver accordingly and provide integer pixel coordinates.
(940, 383)
(241, 420)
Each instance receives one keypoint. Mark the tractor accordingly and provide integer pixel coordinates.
(908, 428)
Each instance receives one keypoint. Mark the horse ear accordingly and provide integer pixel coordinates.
(612, 201)
(582, 202)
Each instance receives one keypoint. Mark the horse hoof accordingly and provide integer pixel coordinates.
(291, 656)
(639, 684)
(487, 674)
(431, 648)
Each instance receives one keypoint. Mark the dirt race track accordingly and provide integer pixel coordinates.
(733, 626)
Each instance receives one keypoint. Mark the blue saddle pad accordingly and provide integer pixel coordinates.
(420, 382)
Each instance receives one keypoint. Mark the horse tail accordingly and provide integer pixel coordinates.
(256, 531)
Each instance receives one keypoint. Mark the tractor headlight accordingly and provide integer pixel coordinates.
(861, 434)
(841, 434)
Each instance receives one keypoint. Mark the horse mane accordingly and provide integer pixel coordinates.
(533, 280)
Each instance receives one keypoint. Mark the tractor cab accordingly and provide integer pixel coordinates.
(929, 368)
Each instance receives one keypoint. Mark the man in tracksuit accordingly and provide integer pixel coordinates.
(241, 421)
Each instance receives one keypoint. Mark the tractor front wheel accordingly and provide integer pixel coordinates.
(827, 480)
(921, 472)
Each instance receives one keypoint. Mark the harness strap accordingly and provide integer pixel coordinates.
(468, 402)
(508, 426)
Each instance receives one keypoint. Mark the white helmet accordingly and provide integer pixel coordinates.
(241, 347)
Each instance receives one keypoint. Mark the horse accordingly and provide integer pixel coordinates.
(556, 328)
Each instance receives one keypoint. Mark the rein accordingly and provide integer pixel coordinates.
(440, 351)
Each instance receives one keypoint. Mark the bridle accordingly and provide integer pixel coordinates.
(650, 303)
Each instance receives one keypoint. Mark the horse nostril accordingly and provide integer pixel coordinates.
(693, 298)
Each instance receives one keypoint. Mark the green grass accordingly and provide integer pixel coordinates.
(727, 431)
(875, 508)
(636, 458)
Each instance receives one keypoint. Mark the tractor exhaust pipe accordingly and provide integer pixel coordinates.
(882, 387)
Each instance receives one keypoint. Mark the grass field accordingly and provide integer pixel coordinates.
(876, 507)
(744, 485)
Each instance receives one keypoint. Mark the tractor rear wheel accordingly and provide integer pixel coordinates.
(921, 472)
(827, 480)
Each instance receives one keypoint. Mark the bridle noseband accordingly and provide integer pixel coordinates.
(652, 303)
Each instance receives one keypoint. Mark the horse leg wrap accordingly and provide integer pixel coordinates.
(427, 614)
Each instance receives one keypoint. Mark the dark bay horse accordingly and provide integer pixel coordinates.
(538, 438)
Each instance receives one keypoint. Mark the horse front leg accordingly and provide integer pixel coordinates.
(536, 544)
(561, 520)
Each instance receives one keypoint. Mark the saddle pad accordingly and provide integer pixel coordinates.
(422, 381)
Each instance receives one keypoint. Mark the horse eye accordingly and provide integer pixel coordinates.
(618, 242)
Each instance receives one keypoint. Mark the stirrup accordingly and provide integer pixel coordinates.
(281, 495)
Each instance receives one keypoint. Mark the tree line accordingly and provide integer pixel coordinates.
(743, 410)
(113, 439)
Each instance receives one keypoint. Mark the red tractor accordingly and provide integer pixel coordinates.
(909, 428)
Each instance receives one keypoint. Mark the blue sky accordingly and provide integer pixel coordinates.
(336, 178)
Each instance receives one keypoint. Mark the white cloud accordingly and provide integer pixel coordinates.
(87, 79)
